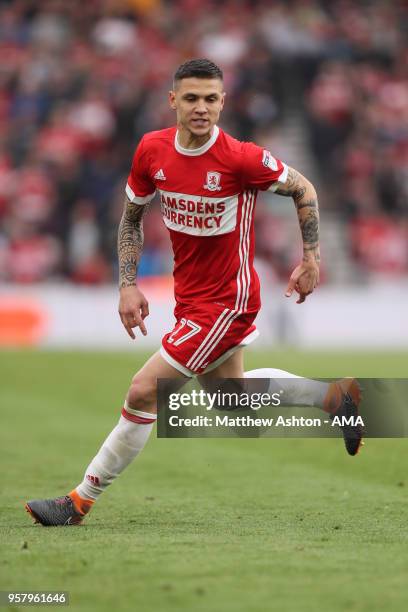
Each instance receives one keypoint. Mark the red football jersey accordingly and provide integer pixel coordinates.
(207, 198)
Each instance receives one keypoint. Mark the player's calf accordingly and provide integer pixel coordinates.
(119, 449)
(142, 394)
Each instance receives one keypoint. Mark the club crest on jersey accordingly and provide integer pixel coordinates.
(269, 161)
(213, 181)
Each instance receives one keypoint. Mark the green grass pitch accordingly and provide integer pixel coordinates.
(234, 525)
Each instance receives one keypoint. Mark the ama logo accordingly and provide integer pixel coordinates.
(352, 421)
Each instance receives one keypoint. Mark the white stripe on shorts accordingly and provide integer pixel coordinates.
(225, 313)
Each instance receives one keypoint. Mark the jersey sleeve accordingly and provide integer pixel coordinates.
(261, 170)
(139, 188)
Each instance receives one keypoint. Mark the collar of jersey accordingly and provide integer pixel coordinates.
(207, 145)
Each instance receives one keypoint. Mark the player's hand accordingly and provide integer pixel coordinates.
(304, 279)
(133, 309)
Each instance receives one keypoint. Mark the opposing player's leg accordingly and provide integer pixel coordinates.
(119, 449)
(340, 398)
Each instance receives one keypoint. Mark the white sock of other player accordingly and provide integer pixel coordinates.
(297, 391)
(122, 445)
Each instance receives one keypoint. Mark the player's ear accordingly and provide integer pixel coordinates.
(172, 99)
(223, 99)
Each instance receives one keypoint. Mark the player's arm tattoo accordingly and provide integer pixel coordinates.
(130, 242)
(307, 208)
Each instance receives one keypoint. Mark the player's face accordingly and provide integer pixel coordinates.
(198, 104)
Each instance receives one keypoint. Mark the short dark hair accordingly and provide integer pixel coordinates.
(200, 69)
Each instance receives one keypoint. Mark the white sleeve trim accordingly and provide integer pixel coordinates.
(138, 199)
(281, 179)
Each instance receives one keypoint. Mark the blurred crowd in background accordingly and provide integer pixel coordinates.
(80, 82)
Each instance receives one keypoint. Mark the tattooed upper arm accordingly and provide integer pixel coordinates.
(134, 212)
(295, 186)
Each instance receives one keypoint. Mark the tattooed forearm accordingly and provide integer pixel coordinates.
(130, 242)
(305, 199)
(309, 204)
(309, 226)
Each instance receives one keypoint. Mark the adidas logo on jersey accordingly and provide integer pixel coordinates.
(159, 176)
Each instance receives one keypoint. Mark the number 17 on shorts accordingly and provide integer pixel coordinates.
(204, 334)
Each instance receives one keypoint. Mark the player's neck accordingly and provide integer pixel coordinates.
(188, 140)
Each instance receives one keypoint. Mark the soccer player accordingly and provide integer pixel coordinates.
(207, 183)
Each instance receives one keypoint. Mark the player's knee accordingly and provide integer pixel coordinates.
(142, 394)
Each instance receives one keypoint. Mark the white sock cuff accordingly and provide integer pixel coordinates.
(138, 413)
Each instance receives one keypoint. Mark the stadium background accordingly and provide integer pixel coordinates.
(324, 86)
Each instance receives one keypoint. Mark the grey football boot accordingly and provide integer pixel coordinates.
(54, 512)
